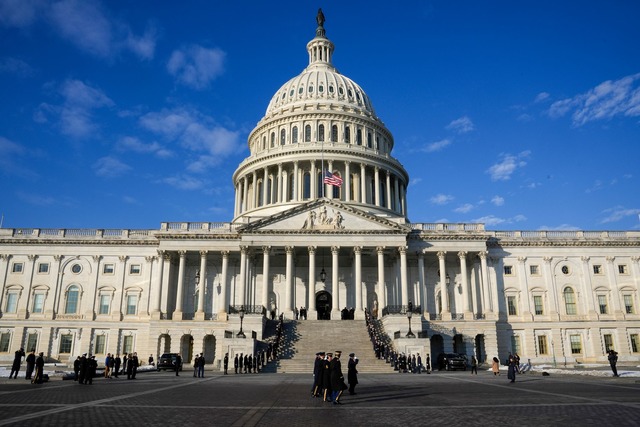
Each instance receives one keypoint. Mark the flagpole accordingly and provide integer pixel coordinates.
(322, 157)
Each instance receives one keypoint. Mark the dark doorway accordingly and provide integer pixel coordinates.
(323, 305)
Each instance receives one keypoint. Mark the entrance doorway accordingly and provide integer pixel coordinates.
(323, 305)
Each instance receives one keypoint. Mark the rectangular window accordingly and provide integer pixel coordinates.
(105, 301)
(100, 342)
(628, 304)
(515, 344)
(43, 268)
(534, 270)
(511, 304)
(542, 344)
(602, 302)
(635, 343)
(65, 343)
(38, 303)
(132, 304)
(597, 269)
(608, 342)
(5, 338)
(127, 344)
(135, 269)
(108, 269)
(17, 267)
(622, 269)
(576, 344)
(508, 270)
(12, 303)
(32, 342)
(537, 302)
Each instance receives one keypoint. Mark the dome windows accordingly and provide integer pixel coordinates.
(334, 133)
(340, 91)
(331, 89)
(294, 135)
(349, 93)
(307, 133)
(310, 89)
(300, 90)
(282, 136)
(321, 133)
(320, 89)
(347, 135)
(292, 92)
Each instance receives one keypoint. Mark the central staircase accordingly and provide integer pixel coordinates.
(302, 339)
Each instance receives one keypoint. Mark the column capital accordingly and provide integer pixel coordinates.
(462, 254)
(585, 259)
(266, 250)
(123, 258)
(357, 249)
(150, 259)
(289, 249)
(225, 254)
(380, 249)
(203, 254)
(335, 249)
(441, 254)
(58, 257)
(244, 249)
(182, 253)
(32, 257)
(522, 259)
(483, 255)
(96, 258)
(610, 259)
(402, 250)
(547, 259)
(311, 249)
(635, 258)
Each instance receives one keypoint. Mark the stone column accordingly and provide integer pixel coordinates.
(177, 314)
(335, 251)
(548, 276)
(466, 292)
(4, 268)
(165, 260)
(376, 180)
(266, 250)
(484, 274)
(254, 193)
(313, 179)
(239, 294)
(56, 274)
(265, 186)
(245, 193)
(288, 308)
(311, 307)
(388, 188)
(295, 184)
(396, 195)
(280, 185)
(359, 311)
(363, 184)
(347, 181)
(222, 310)
(23, 306)
(613, 283)
(422, 285)
(202, 285)
(123, 304)
(444, 289)
(403, 276)
(382, 297)
(524, 289)
(588, 288)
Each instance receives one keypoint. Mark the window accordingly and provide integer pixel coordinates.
(597, 269)
(569, 301)
(334, 133)
(602, 302)
(127, 344)
(622, 269)
(17, 267)
(38, 303)
(369, 141)
(320, 88)
(508, 270)
(347, 135)
(76, 268)
(105, 301)
(511, 304)
(5, 339)
(576, 344)
(294, 135)
(100, 342)
(635, 342)
(542, 344)
(307, 133)
(310, 89)
(43, 268)
(608, 342)
(306, 186)
(321, 133)
(12, 302)
(359, 137)
(65, 343)
(71, 305)
(537, 303)
(628, 304)
(534, 270)
(515, 344)
(135, 269)
(330, 89)
(273, 139)
(108, 268)
(32, 341)
(565, 269)
(283, 136)
(132, 304)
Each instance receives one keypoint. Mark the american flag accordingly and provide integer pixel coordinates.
(332, 179)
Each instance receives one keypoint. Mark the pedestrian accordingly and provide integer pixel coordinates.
(82, 373)
(112, 365)
(326, 377)
(132, 366)
(613, 360)
(39, 365)
(117, 361)
(250, 360)
(125, 359)
(151, 360)
(235, 364)
(337, 379)
(76, 368)
(92, 366)
(512, 368)
(226, 363)
(107, 362)
(31, 364)
(246, 363)
(352, 373)
(241, 361)
(17, 361)
(428, 364)
(178, 363)
(495, 366)
(474, 365)
(317, 374)
(196, 365)
(201, 362)
(419, 362)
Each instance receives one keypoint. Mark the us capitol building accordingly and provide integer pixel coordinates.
(298, 239)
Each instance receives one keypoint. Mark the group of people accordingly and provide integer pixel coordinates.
(300, 314)
(85, 367)
(328, 380)
(33, 364)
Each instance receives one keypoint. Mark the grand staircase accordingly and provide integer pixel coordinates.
(302, 339)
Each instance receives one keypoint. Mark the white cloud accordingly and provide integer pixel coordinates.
(467, 207)
(436, 146)
(110, 167)
(503, 170)
(605, 101)
(497, 200)
(618, 213)
(492, 220)
(441, 199)
(415, 181)
(76, 112)
(461, 125)
(15, 66)
(561, 227)
(35, 199)
(542, 96)
(130, 143)
(184, 182)
(196, 66)
(19, 13)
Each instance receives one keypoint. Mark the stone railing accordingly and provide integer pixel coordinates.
(75, 233)
(214, 227)
(565, 235)
(446, 227)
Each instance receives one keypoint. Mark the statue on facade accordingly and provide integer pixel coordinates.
(320, 18)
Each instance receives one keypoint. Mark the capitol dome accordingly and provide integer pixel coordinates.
(320, 124)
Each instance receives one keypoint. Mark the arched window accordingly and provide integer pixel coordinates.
(369, 140)
(269, 187)
(306, 189)
(292, 195)
(334, 133)
(282, 136)
(321, 133)
(264, 142)
(294, 135)
(260, 193)
(307, 133)
(273, 139)
(73, 297)
(359, 136)
(347, 134)
(570, 301)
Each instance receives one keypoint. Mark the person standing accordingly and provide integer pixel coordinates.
(201, 362)
(125, 359)
(107, 363)
(235, 364)
(495, 366)
(226, 363)
(151, 360)
(82, 373)
(428, 364)
(352, 373)
(241, 359)
(317, 370)
(512, 369)
(39, 364)
(76, 368)
(116, 365)
(178, 363)
(337, 379)
(92, 365)
(326, 377)
(17, 361)
(134, 363)
(474, 365)
(31, 364)
(613, 360)
(419, 361)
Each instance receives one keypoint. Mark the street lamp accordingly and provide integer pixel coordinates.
(410, 334)
(241, 334)
(323, 274)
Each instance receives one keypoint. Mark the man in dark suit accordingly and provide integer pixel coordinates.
(178, 364)
(337, 379)
(352, 373)
(226, 363)
(17, 360)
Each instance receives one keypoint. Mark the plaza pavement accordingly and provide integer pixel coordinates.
(442, 398)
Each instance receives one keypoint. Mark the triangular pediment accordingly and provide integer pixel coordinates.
(324, 216)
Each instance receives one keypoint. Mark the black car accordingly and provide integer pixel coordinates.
(168, 361)
(453, 361)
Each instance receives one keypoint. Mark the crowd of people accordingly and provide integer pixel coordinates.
(328, 380)
(34, 364)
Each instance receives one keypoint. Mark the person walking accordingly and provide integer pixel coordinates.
(39, 365)
(352, 373)
(92, 366)
(495, 366)
(201, 362)
(117, 361)
(474, 365)
(613, 360)
(76, 368)
(512, 368)
(235, 364)
(178, 364)
(226, 363)
(337, 379)
(17, 361)
(31, 364)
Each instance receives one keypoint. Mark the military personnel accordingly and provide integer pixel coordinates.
(337, 379)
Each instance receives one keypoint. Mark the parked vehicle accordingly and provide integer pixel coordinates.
(454, 361)
(168, 361)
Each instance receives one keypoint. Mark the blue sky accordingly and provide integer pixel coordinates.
(118, 114)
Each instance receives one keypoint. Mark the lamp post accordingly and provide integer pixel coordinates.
(410, 334)
(241, 334)
(323, 274)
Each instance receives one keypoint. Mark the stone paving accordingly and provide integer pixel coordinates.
(442, 398)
